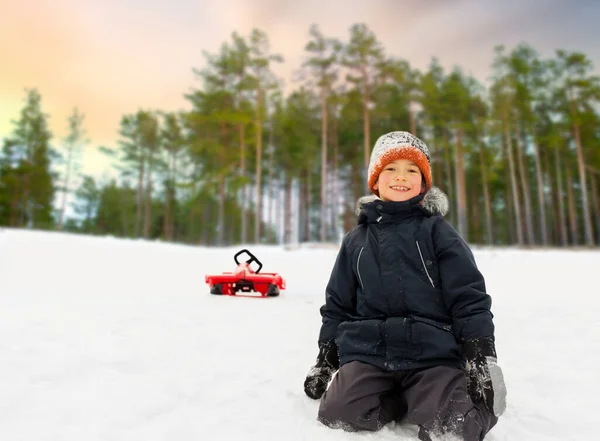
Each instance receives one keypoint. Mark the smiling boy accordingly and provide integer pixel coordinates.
(407, 322)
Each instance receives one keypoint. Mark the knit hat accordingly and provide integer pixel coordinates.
(398, 145)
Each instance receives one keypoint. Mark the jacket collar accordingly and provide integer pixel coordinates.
(371, 209)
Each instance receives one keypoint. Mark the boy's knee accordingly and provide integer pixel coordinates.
(470, 426)
(342, 415)
(478, 422)
(333, 413)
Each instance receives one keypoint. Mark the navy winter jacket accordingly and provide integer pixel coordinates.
(405, 291)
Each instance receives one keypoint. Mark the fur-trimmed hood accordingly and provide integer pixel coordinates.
(434, 202)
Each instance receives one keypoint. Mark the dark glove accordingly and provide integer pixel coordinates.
(484, 377)
(320, 374)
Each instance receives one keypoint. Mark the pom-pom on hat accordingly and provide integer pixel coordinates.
(398, 145)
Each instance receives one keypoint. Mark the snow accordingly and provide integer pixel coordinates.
(110, 339)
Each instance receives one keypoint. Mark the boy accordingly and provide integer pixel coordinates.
(406, 318)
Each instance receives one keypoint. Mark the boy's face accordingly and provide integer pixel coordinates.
(399, 181)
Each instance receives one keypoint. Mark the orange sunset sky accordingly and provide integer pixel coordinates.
(110, 58)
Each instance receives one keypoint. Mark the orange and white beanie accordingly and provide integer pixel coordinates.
(398, 145)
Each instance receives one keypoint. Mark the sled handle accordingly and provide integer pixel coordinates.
(249, 261)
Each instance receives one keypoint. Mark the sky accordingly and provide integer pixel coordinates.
(112, 58)
(104, 339)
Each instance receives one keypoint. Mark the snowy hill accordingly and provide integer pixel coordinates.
(107, 339)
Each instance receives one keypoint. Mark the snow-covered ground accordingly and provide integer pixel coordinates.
(107, 339)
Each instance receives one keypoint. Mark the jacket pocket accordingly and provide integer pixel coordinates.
(361, 337)
(436, 324)
(435, 340)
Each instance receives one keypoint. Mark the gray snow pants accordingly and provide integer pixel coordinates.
(364, 397)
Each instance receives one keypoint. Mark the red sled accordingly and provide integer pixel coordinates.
(245, 279)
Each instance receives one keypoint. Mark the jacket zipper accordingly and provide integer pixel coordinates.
(358, 268)
(424, 266)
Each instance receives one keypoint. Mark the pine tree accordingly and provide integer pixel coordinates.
(28, 183)
(72, 157)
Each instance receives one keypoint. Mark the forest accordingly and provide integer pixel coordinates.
(248, 162)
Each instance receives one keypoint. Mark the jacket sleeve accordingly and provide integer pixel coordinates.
(340, 295)
(463, 285)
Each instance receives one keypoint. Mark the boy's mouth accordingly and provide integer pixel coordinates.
(399, 188)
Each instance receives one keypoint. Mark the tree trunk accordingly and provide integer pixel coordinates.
(301, 191)
(140, 195)
(474, 215)
(461, 192)
(221, 187)
(587, 222)
(449, 180)
(412, 118)
(123, 206)
(173, 200)
(221, 212)
(550, 212)
(148, 203)
(66, 189)
(167, 206)
(88, 220)
(366, 126)
(572, 209)
(334, 192)
(307, 207)
(522, 170)
(205, 213)
(540, 192)
(323, 216)
(258, 189)
(513, 179)
(436, 161)
(562, 227)
(352, 194)
(287, 219)
(489, 233)
(270, 183)
(334, 199)
(167, 211)
(244, 187)
(279, 209)
(596, 202)
(14, 204)
(26, 218)
(511, 230)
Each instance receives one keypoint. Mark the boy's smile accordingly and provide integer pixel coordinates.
(400, 180)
